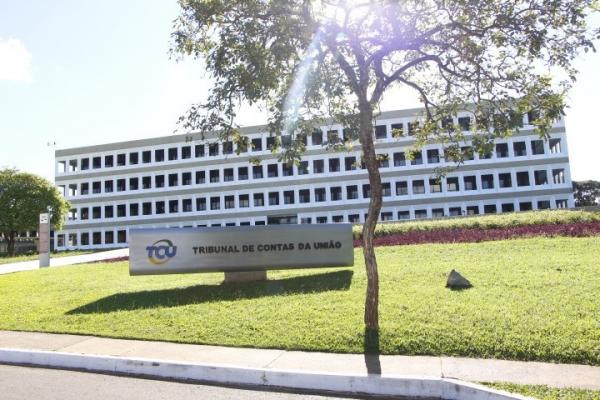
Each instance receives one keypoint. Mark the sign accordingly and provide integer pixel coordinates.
(44, 240)
(239, 248)
(44, 218)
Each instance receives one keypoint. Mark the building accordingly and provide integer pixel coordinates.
(173, 181)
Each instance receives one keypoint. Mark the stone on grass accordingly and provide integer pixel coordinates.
(457, 282)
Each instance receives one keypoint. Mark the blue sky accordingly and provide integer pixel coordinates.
(81, 72)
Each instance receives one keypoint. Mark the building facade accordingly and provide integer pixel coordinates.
(176, 181)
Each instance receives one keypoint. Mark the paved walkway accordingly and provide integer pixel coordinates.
(473, 370)
(60, 261)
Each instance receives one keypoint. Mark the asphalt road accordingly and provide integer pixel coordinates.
(18, 383)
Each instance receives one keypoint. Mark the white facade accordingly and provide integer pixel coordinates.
(118, 186)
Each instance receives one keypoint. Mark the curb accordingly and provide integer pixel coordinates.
(409, 386)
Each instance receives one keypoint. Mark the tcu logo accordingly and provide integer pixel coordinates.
(160, 252)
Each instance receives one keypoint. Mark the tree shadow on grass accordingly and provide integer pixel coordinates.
(197, 294)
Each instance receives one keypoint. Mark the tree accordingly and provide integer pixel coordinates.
(23, 197)
(311, 62)
(587, 193)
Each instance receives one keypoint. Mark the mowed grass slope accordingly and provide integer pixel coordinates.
(534, 299)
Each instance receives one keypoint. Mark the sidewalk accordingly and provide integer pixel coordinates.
(60, 261)
(215, 357)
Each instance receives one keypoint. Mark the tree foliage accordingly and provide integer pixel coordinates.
(312, 62)
(587, 193)
(23, 197)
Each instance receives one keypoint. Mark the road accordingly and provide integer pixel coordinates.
(18, 383)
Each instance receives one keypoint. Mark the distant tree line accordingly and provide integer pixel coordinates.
(587, 193)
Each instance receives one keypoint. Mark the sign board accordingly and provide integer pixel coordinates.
(44, 218)
(239, 248)
(44, 240)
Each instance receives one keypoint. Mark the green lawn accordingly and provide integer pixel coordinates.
(30, 257)
(547, 393)
(534, 299)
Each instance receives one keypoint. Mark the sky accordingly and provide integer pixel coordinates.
(76, 73)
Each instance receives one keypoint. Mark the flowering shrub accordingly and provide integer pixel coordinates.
(463, 235)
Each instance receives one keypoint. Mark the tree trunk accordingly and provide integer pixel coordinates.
(10, 244)
(372, 164)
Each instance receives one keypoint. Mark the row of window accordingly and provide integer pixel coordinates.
(319, 195)
(95, 238)
(214, 149)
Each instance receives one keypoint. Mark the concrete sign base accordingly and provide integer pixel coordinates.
(246, 276)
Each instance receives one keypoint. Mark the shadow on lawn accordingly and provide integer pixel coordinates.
(338, 280)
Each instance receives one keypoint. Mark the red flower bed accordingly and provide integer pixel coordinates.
(578, 229)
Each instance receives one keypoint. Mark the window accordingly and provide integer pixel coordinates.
(172, 152)
(320, 195)
(412, 128)
(97, 162)
(213, 149)
(505, 180)
(134, 183)
(383, 160)
(558, 176)
(380, 132)
(147, 208)
(470, 182)
(109, 237)
(318, 166)
(259, 199)
(336, 219)
(433, 156)
(85, 238)
(96, 212)
(366, 191)
(173, 180)
(401, 188)
(257, 223)
(201, 204)
(215, 203)
(85, 188)
(333, 136)
(199, 150)
(146, 157)
(561, 204)
(540, 177)
(242, 173)
(523, 178)
(303, 168)
(273, 198)
(437, 213)
(317, 137)
(108, 186)
(271, 141)
(97, 238)
(487, 181)
(472, 210)
(554, 146)
(108, 161)
(257, 171)
(244, 200)
(134, 158)
(350, 163)
(121, 210)
(122, 236)
(272, 170)
(85, 213)
(399, 159)
(543, 205)
(397, 130)
(227, 148)
(120, 160)
(354, 218)
(335, 193)
(334, 165)
(287, 169)
(454, 211)
(452, 184)
(520, 149)
(134, 210)
(525, 206)
(257, 144)
(352, 192)
(417, 158)
(386, 189)
(159, 155)
(467, 153)
(508, 207)
(501, 150)
(85, 164)
(96, 187)
(403, 215)
(537, 147)
(418, 187)
(387, 216)
(288, 197)
(321, 220)
(420, 214)
(159, 207)
(121, 185)
(435, 185)
(464, 123)
(229, 202)
(304, 196)
(242, 146)
(228, 175)
(109, 212)
(186, 152)
(214, 175)
(489, 209)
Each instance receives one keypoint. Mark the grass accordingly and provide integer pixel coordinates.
(533, 299)
(547, 393)
(492, 221)
(30, 257)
